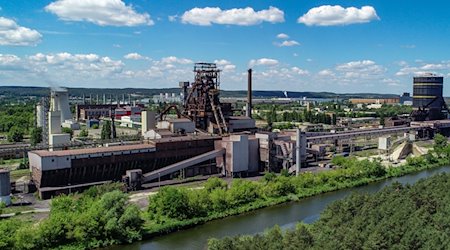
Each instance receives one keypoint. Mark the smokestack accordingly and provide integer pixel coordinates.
(249, 94)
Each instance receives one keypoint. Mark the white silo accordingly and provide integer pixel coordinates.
(60, 102)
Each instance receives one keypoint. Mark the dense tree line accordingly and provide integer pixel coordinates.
(100, 217)
(176, 204)
(16, 120)
(297, 116)
(398, 217)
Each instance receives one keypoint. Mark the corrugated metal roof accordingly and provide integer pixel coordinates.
(85, 151)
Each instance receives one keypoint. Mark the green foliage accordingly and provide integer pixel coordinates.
(106, 131)
(440, 143)
(170, 202)
(97, 191)
(36, 136)
(67, 131)
(398, 217)
(214, 183)
(79, 222)
(269, 176)
(242, 192)
(24, 164)
(15, 134)
(20, 116)
(95, 126)
(84, 133)
(2, 206)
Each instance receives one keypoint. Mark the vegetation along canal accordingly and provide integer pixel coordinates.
(287, 215)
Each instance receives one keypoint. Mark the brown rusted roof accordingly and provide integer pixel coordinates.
(85, 151)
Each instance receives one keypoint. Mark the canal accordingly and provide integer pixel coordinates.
(286, 216)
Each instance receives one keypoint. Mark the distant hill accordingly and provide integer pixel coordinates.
(41, 91)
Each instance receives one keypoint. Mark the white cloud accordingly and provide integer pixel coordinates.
(326, 73)
(328, 15)
(225, 65)
(299, 71)
(135, 56)
(360, 70)
(13, 34)
(289, 43)
(245, 16)
(100, 12)
(263, 62)
(282, 36)
(173, 59)
(222, 62)
(422, 68)
(172, 18)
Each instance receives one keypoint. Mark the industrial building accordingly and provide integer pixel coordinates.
(428, 102)
(56, 172)
(394, 100)
(84, 112)
(5, 187)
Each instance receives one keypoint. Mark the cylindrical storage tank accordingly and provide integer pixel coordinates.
(5, 187)
(427, 94)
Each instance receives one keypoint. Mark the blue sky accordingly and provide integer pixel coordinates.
(339, 46)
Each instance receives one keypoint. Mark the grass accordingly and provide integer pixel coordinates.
(10, 162)
(16, 209)
(17, 174)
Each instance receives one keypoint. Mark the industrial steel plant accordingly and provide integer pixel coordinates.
(200, 136)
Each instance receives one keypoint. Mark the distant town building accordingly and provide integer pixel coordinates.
(394, 100)
(168, 98)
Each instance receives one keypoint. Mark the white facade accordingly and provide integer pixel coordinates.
(60, 102)
(240, 152)
(58, 140)
(71, 124)
(148, 121)
(185, 125)
(384, 143)
(40, 115)
(54, 122)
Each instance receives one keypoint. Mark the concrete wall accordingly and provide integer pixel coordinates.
(253, 159)
(240, 151)
(148, 120)
(58, 139)
(49, 163)
(54, 122)
(187, 126)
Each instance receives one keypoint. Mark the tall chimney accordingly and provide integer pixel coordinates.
(249, 94)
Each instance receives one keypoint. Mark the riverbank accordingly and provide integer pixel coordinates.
(398, 216)
(321, 183)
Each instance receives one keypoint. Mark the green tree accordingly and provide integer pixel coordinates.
(36, 136)
(15, 134)
(84, 133)
(440, 142)
(170, 202)
(106, 131)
